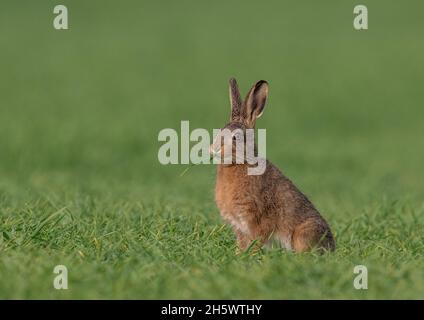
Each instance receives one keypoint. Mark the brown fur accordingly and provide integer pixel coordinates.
(265, 207)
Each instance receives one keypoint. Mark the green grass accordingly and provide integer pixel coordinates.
(80, 110)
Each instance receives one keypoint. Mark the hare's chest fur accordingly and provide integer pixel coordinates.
(242, 218)
(232, 208)
(234, 214)
(250, 212)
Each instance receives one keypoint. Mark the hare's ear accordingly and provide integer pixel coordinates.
(255, 102)
(235, 100)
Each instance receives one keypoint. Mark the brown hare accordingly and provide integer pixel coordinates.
(268, 208)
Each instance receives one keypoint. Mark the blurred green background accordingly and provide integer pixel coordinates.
(80, 111)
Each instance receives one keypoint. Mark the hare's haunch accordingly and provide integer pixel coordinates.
(267, 208)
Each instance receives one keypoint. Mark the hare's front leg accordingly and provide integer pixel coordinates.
(245, 240)
(313, 233)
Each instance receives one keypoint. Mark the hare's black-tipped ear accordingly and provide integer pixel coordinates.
(235, 100)
(255, 102)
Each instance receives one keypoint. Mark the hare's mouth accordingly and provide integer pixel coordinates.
(216, 155)
(214, 152)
